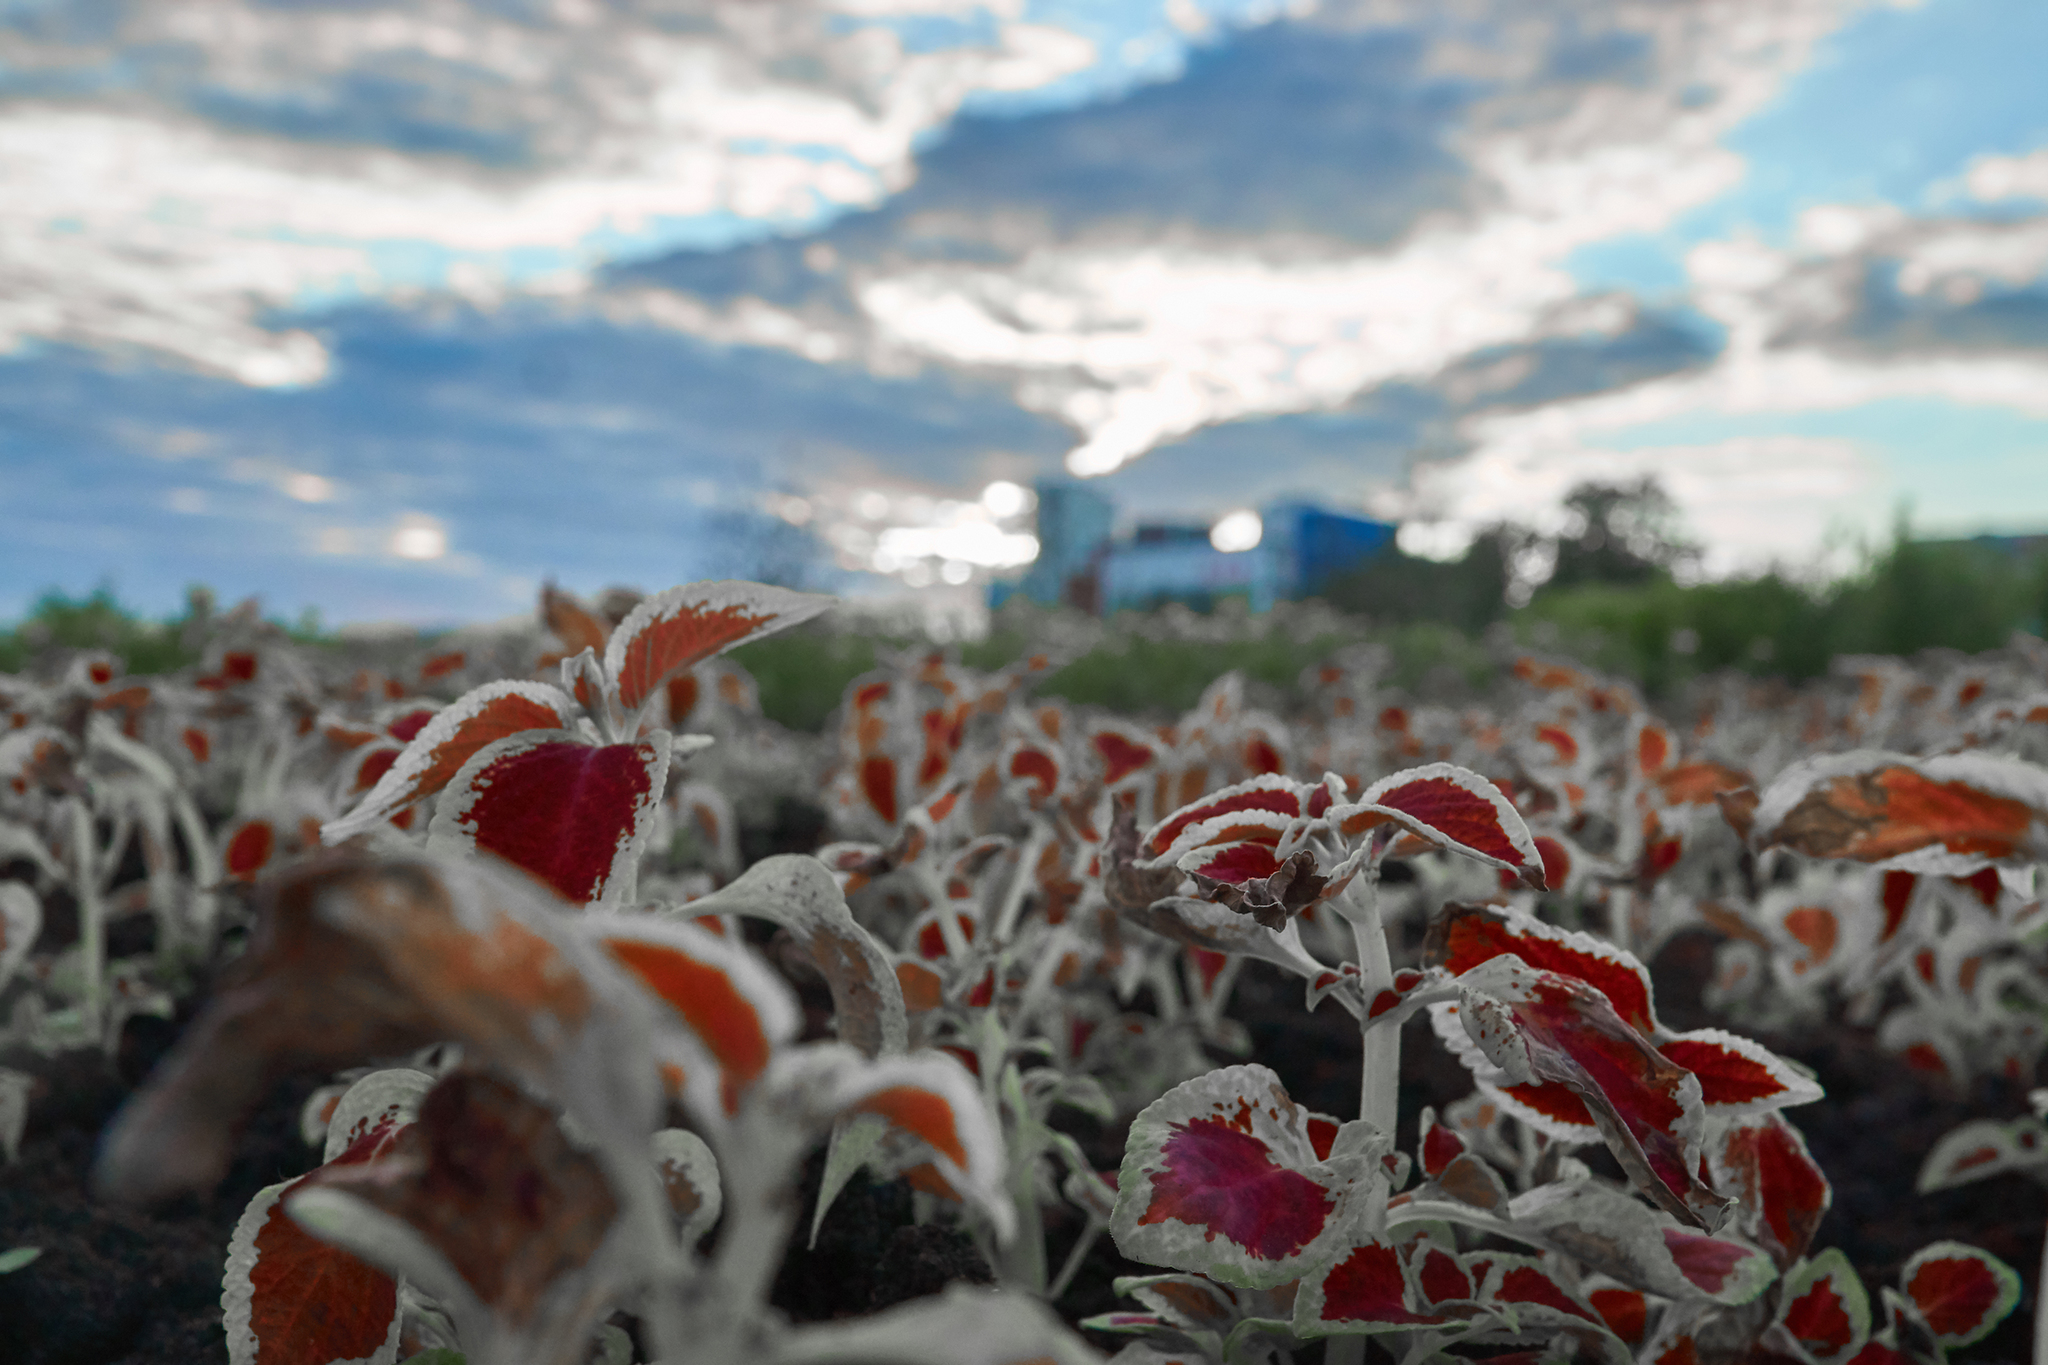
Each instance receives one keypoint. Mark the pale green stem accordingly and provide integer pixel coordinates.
(1021, 884)
(1380, 1069)
(92, 937)
(1023, 1259)
(205, 869)
(1072, 1265)
(1380, 1080)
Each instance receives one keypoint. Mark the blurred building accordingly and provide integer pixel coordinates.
(1286, 550)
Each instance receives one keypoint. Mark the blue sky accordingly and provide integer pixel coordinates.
(396, 310)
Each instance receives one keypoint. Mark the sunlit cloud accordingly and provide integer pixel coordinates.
(272, 159)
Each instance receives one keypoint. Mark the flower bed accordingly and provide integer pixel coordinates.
(1543, 1027)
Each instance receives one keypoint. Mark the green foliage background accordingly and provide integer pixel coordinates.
(1432, 618)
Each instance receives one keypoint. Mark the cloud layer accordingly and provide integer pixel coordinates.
(396, 306)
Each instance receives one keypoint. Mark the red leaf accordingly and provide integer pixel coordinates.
(1452, 807)
(1653, 747)
(1237, 863)
(1440, 1277)
(1897, 899)
(289, 1298)
(673, 630)
(1625, 1311)
(1220, 1176)
(1960, 1292)
(1951, 813)
(1120, 756)
(1440, 1147)
(573, 814)
(432, 758)
(878, 784)
(1463, 936)
(1708, 1262)
(1564, 1032)
(1825, 1309)
(1736, 1075)
(408, 726)
(1367, 1286)
(1763, 1162)
(248, 850)
(1268, 792)
(1527, 1284)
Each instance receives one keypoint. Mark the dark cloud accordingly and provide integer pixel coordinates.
(1288, 131)
(1887, 320)
(545, 444)
(1343, 455)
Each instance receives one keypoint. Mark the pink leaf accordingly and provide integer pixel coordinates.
(1220, 1176)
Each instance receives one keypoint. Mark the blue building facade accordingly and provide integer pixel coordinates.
(1082, 564)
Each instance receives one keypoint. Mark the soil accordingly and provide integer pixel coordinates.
(144, 1288)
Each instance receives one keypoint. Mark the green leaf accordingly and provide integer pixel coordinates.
(11, 1261)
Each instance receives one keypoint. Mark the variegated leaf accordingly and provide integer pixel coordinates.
(1952, 813)
(1825, 1309)
(736, 1010)
(289, 1298)
(1982, 1148)
(1961, 1293)
(673, 630)
(1451, 807)
(1220, 1176)
(574, 814)
(457, 732)
(798, 893)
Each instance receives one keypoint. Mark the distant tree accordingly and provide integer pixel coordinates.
(1624, 533)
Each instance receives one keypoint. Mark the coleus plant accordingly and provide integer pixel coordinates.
(1011, 913)
(564, 781)
(1225, 1178)
(518, 1198)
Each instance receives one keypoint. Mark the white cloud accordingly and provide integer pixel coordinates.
(143, 226)
(1751, 500)
(1992, 178)
(418, 536)
(1137, 343)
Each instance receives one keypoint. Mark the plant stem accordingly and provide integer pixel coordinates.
(92, 937)
(1072, 1265)
(1380, 1069)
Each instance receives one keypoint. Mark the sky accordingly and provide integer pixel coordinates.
(394, 311)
